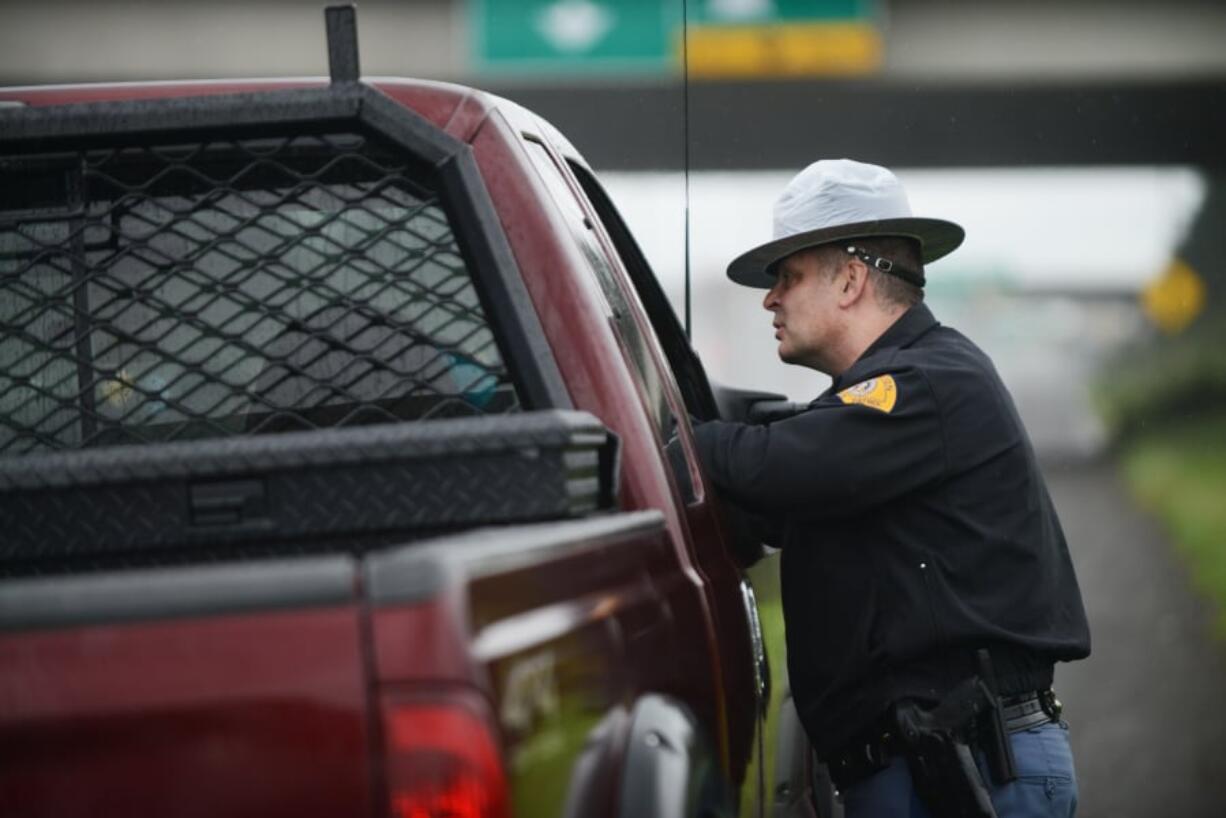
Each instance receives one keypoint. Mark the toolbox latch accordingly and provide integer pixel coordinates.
(230, 502)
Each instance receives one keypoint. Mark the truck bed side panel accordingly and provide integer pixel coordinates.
(259, 712)
(566, 625)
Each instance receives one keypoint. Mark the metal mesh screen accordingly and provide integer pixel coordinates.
(231, 288)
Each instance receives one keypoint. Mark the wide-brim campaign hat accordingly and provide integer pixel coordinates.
(836, 199)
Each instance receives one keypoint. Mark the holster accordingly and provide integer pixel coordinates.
(937, 745)
(942, 766)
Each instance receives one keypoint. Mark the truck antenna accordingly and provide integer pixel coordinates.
(685, 152)
(342, 26)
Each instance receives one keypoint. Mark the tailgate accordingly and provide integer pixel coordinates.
(175, 692)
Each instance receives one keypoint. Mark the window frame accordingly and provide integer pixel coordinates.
(683, 361)
(682, 460)
(635, 342)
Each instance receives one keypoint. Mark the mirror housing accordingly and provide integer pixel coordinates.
(752, 405)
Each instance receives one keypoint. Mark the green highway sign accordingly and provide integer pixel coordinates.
(566, 35)
(733, 12)
(734, 37)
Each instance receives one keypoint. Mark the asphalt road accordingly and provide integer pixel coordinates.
(1148, 708)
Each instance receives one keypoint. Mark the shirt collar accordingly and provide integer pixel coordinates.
(913, 323)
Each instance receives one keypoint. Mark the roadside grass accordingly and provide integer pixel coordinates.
(1178, 472)
(1155, 383)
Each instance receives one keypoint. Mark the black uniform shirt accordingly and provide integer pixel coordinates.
(915, 527)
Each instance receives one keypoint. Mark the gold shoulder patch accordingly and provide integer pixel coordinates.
(879, 393)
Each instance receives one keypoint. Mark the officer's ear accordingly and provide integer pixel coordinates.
(853, 282)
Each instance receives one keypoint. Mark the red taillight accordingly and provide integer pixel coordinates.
(442, 759)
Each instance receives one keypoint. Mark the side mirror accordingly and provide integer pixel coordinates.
(752, 405)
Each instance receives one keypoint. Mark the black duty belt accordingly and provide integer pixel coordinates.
(875, 750)
(1031, 710)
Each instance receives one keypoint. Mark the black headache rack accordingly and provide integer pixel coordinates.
(201, 273)
(299, 492)
(199, 267)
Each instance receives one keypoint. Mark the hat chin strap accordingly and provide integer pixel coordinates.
(885, 265)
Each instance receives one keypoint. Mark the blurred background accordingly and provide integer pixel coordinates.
(1081, 143)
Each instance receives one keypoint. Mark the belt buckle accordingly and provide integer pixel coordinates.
(1050, 704)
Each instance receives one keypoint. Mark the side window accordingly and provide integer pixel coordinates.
(637, 345)
(233, 288)
(687, 369)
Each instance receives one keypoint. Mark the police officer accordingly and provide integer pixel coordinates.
(924, 571)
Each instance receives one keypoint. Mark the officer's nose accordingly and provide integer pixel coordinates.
(772, 298)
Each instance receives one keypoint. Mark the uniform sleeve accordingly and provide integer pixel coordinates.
(847, 453)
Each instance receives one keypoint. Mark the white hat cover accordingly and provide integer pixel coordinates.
(835, 199)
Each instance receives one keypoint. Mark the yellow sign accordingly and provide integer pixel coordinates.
(879, 393)
(784, 49)
(1174, 299)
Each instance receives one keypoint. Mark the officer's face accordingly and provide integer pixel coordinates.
(804, 302)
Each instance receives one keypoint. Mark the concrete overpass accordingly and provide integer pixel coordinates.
(962, 83)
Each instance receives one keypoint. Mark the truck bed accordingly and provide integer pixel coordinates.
(281, 687)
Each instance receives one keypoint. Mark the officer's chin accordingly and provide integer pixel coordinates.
(794, 358)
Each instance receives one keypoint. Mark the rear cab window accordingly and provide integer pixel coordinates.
(223, 288)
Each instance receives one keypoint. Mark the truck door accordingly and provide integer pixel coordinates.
(675, 385)
(760, 580)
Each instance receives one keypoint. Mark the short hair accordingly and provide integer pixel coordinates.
(890, 290)
(829, 257)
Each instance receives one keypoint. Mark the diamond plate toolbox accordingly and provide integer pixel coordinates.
(216, 497)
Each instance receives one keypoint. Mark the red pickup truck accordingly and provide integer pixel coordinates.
(334, 469)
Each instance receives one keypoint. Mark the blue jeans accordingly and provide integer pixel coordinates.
(1046, 784)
